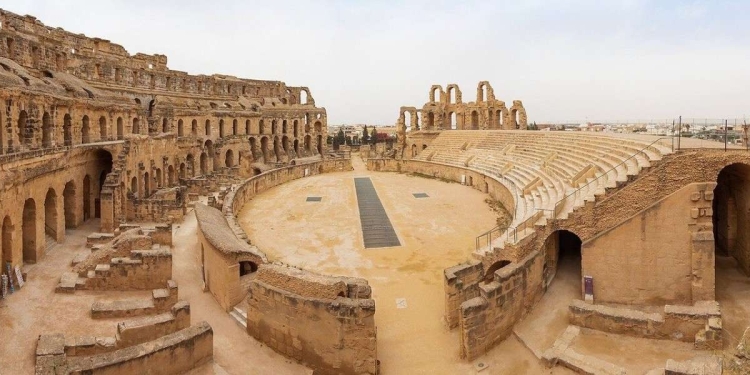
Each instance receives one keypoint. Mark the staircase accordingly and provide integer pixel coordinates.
(239, 316)
(49, 243)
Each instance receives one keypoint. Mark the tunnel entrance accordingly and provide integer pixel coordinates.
(562, 258)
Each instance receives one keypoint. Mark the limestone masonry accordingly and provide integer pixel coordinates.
(123, 249)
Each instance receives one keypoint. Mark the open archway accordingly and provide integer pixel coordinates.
(67, 130)
(120, 129)
(86, 197)
(474, 120)
(103, 134)
(47, 130)
(69, 205)
(50, 215)
(29, 231)
(562, 260)
(6, 244)
(489, 276)
(229, 159)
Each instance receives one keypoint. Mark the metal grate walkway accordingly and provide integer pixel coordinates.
(377, 230)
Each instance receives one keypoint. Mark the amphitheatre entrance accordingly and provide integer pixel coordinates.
(563, 257)
(731, 221)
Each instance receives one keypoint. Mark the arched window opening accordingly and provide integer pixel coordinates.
(85, 131)
(120, 130)
(208, 127)
(69, 205)
(67, 130)
(180, 128)
(47, 130)
(29, 231)
(103, 128)
(136, 126)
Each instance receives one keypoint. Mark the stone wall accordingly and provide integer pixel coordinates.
(678, 190)
(173, 354)
(326, 323)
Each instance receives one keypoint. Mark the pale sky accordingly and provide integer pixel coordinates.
(567, 60)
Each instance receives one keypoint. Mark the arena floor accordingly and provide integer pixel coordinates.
(435, 232)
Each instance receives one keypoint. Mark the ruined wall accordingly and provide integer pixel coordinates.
(115, 128)
(332, 333)
(446, 110)
(192, 346)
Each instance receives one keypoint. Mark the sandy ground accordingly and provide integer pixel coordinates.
(435, 233)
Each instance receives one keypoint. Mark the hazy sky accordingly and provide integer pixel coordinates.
(566, 60)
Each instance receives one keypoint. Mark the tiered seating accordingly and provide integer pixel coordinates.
(549, 173)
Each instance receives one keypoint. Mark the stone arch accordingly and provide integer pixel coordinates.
(180, 128)
(170, 176)
(25, 129)
(146, 185)
(234, 126)
(264, 148)
(320, 144)
(485, 93)
(164, 125)
(158, 176)
(453, 120)
(296, 147)
(136, 126)
(308, 140)
(431, 120)
(413, 150)
(410, 122)
(229, 158)
(134, 186)
(204, 163)
(50, 214)
(261, 127)
(29, 231)
(67, 130)
(222, 132)
(194, 128)
(86, 197)
(69, 205)
(85, 130)
(562, 252)
(103, 128)
(295, 126)
(517, 118)
(183, 171)
(47, 130)
(318, 127)
(284, 126)
(274, 124)
(248, 130)
(120, 129)
(440, 93)
(247, 267)
(6, 244)
(277, 149)
(453, 94)
(307, 123)
(208, 127)
(731, 216)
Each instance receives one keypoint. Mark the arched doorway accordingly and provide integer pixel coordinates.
(731, 221)
(85, 130)
(170, 176)
(47, 130)
(120, 130)
(146, 185)
(69, 204)
(67, 131)
(86, 197)
(452, 117)
(204, 163)
(264, 148)
(190, 160)
(320, 144)
(183, 174)
(180, 128)
(25, 132)
(134, 186)
(562, 260)
(247, 268)
(29, 231)
(6, 245)
(277, 149)
(103, 128)
(136, 126)
(229, 159)
(50, 215)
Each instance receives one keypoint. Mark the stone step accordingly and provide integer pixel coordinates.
(80, 257)
(239, 317)
(67, 283)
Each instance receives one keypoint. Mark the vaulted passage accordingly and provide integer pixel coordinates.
(377, 230)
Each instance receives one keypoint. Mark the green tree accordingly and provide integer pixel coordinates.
(365, 135)
(374, 136)
(340, 136)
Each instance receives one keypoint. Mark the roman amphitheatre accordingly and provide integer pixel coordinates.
(158, 222)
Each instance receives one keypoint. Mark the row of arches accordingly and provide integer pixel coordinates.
(284, 148)
(468, 119)
(263, 126)
(29, 134)
(42, 222)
